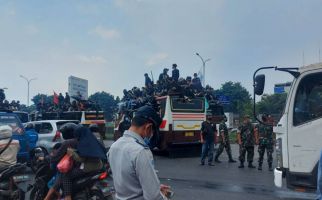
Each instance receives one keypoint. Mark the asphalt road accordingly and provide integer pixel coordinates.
(224, 181)
(190, 181)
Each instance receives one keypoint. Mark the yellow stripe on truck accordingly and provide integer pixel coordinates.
(188, 127)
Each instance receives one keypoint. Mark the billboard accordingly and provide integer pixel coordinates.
(78, 86)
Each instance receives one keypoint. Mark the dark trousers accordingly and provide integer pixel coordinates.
(221, 148)
(207, 149)
(261, 150)
(242, 153)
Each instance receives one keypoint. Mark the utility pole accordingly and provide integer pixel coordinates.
(203, 69)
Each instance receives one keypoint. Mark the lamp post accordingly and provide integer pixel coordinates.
(203, 68)
(28, 83)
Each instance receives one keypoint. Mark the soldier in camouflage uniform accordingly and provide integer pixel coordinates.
(224, 142)
(266, 142)
(246, 140)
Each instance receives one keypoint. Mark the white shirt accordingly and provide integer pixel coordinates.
(133, 171)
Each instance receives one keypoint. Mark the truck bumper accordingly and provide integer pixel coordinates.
(278, 177)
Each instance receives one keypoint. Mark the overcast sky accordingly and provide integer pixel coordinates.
(112, 43)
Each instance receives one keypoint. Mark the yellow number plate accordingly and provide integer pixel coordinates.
(189, 134)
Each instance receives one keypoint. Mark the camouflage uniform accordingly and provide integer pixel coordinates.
(247, 142)
(224, 144)
(266, 142)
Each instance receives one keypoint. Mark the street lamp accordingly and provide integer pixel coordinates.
(28, 82)
(203, 68)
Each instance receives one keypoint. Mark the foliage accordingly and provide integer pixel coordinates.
(39, 97)
(272, 104)
(240, 99)
(106, 101)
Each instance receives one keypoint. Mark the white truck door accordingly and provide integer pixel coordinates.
(305, 123)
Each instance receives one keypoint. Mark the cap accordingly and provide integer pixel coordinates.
(174, 65)
(147, 112)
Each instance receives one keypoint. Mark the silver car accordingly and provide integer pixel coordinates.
(48, 132)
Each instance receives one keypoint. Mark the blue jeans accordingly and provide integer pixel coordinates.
(319, 183)
(207, 149)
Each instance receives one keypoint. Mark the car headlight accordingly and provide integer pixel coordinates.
(279, 154)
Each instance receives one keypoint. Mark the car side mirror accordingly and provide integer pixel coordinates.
(259, 84)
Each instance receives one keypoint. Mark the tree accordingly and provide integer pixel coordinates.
(42, 97)
(240, 99)
(106, 101)
(272, 104)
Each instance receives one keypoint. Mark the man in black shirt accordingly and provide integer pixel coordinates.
(175, 73)
(208, 130)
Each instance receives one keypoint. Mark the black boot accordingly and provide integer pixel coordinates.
(217, 160)
(231, 160)
(260, 167)
(270, 167)
(241, 165)
(250, 165)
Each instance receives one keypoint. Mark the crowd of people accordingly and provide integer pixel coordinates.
(186, 88)
(247, 137)
(63, 104)
(6, 105)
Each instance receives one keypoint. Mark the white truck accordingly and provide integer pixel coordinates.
(299, 131)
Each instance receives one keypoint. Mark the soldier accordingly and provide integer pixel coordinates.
(175, 73)
(266, 142)
(246, 139)
(207, 138)
(224, 142)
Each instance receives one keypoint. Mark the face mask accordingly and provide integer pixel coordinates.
(147, 139)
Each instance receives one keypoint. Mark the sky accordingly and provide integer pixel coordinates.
(112, 43)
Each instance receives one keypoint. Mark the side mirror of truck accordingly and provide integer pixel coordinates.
(259, 84)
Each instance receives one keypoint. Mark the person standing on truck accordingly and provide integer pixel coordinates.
(224, 142)
(207, 138)
(131, 160)
(266, 142)
(246, 139)
(175, 73)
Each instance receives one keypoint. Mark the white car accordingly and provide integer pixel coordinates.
(48, 132)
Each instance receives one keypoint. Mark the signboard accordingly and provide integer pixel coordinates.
(78, 87)
(224, 99)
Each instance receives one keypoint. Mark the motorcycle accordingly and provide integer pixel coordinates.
(84, 187)
(9, 189)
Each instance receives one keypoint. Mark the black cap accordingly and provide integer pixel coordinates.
(174, 65)
(147, 112)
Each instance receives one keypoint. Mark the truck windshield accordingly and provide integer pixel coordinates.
(195, 105)
(13, 122)
(23, 116)
(308, 100)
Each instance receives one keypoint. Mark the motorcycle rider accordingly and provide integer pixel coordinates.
(8, 147)
(32, 135)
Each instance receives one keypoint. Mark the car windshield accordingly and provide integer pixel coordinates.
(59, 124)
(13, 122)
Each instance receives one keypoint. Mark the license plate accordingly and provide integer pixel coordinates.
(189, 134)
(21, 178)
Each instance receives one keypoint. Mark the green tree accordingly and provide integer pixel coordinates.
(106, 101)
(271, 104)
(43, 97)
(240, 98)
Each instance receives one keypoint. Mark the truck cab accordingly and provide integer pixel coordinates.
(11, 119)
(299, 131)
